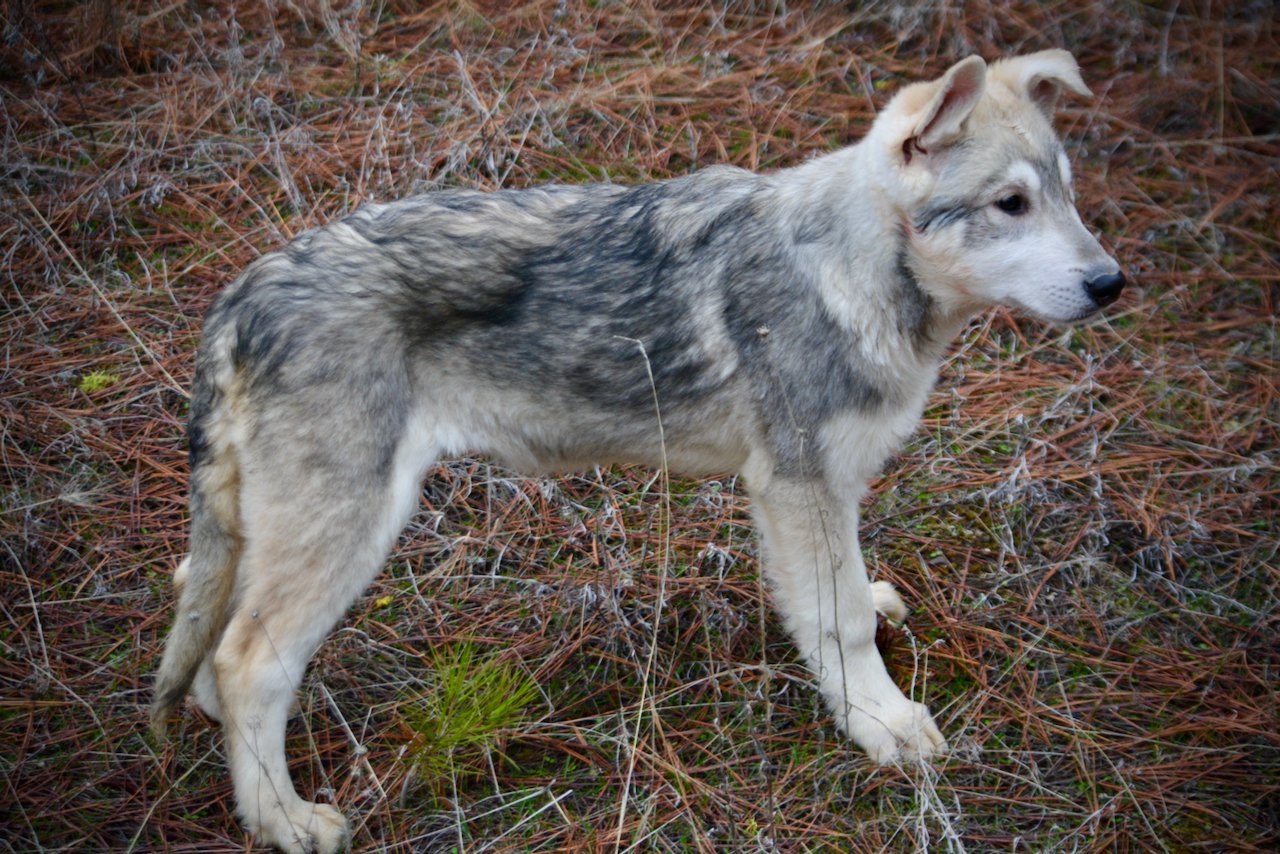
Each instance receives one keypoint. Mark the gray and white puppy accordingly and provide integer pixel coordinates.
(786, 326)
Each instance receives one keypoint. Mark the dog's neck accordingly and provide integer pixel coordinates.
(854, 244)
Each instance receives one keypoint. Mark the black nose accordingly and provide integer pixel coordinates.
(1105, 289)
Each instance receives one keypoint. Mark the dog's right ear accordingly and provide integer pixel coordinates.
(939, 108)
(1042, 77)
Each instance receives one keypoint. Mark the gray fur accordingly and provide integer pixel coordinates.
(550, 290)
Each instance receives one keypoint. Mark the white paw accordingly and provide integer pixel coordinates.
(306, 828)
(887, 602)
(903, 730)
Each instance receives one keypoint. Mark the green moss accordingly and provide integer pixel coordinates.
(95, 381)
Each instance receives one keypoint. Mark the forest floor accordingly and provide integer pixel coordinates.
(1085, 524)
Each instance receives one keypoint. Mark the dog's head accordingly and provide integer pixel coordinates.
(984, 189)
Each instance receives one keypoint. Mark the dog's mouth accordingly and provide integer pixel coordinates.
(1094, 312)
(1081, 316)
(1085, 316)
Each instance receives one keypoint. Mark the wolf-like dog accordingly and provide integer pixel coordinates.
(786, 326)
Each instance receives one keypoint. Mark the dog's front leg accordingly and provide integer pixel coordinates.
(812, 559)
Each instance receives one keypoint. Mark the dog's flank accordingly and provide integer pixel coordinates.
(789, 327)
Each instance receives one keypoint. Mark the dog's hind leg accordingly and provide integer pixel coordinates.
(202, 690)
(820, 585)
(319, 520)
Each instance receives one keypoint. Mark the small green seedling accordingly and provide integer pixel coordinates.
(475, 700)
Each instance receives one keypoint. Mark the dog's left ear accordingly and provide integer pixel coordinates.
(1041, 77)
(951, 98)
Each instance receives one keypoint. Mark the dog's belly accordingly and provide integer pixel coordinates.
(582, 445)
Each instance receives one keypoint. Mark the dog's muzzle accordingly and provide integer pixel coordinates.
(1104, 289)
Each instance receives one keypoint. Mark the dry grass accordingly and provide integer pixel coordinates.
(1086, 522)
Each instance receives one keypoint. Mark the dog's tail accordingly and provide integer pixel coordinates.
(205, 580)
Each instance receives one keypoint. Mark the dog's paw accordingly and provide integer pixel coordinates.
(888, 603)
(904, 732)
(305, 828)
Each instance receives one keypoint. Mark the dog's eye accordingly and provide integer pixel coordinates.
(1013, 205)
